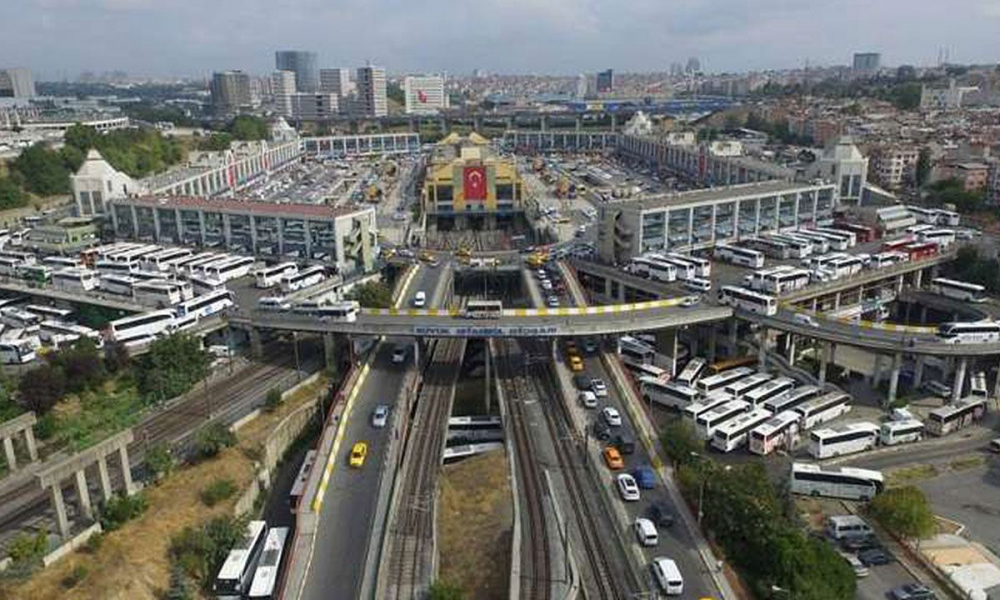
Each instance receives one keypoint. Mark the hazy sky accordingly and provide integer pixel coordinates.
(60, 38)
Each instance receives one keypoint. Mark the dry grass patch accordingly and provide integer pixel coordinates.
(474, 526)
(899, 477)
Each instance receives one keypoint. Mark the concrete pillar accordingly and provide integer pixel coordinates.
(959, 383)
(693, 342)
(84, 494)
(489, 369)
(762, 350)
(923, 315)
(711, 342)
(666, 344)
(102, 471)
(256, 348)
(330, 351)
(996, 386)
(60, 506)
(416, 352)
(918, 278)
(897, 360)
(126, 470)
(899, 285)
(823, 361)
(29, 441)
(733, 329)
(8, 450)
(791, 349)
(836, 301)
(877, 370)
(918, 370)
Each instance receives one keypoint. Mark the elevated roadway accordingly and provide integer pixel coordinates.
(94, 297)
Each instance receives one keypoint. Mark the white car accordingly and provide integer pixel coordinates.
(600, 388)
(627, 487)
(611, 416)
(588, 399)
(380, 416)
(553, 301)
(668, 576)
(399, 355)
(645, 532)
(546, 285)
(420, 299)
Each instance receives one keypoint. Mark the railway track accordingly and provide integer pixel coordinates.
(537, 572)
(600, 574)
(411, 555)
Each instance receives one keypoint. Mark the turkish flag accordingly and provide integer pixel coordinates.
(474, 183)
(422, 96)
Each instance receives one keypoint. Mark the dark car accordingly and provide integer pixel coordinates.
(912, 591)
(582, 382)
(874, 556)
(661, 515)
(601, 430)
(860, 543)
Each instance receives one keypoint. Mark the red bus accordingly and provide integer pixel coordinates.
(862, 233)
(921, 251)
(897, 245)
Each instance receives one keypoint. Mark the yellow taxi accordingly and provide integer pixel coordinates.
(426, 256)
(575, 364)
(463, 252)
(613, 458)
(358, 453)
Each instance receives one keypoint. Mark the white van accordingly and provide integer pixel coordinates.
(420, 300)
(845, 526)
(645, 532)
(697, 285)
(804, 319)
(668, 576)
(588, 399)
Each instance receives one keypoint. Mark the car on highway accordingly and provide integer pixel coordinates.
(380, 416)
(874, 556)
(599, 387)
(571, 348)
(359, 451)
(690, 301)
(804, 319)
(667, 576)
(601, 430)
(575, 364)
(590, 345)
(661, 515)
(611, 416)
(645, 532)
(587, 399)
(546, 285)
(627, 487)
(426, 256)
(613, 458)
(581, 382)
(552, 301)
(859, 543)
(860, 570)
(420, 299)
(645, 476)
(912, 591)
(399, 355)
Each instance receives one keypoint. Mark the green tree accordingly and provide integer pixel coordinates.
(159, 461)
(11, 195)
(442, 590)
(42, 171)
(680, 442)
(905, 96)
(41, 388)
(82, 365)
(216, 142)
(27, 549)
(904, 511)
(217, 491)
(212, 438)
(116, 357)
(374, 294)
(171, 367)
(198, 552)
(247, 127)
(180, 585)
(923, 170)
(120, 509)
(273, 399)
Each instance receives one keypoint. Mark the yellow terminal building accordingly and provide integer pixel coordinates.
(468, 186)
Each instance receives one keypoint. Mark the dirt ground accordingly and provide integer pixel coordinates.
(475, 517)
(132, 563)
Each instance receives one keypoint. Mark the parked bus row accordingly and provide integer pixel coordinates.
(253, 565)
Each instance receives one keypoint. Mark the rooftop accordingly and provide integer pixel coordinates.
(267, 209)
(763, 188)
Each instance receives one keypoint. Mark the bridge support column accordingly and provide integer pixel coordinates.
(416, 352)
(876, 370)
(791, 349)
(923, 315)
(918, 370)
(60, 505)
(84, 494)
(29, 441)
(330, 352)
(836, 301)
(8, 451)
(489, 346)
(897, 360)
(256, 348)
(126, 470)
(733, 329)
(959, 383)
(826, 357)
(666, 343)
(918, 278)
(899, 285)
(712, 341)
(102, 472)
(762, 351)
(815, 304)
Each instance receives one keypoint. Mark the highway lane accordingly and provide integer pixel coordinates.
(344, 534)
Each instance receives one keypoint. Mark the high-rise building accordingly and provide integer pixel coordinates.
(693, 65)
(313, 106)
(16, 83)
(867, 61)
(336, 81)
(424, 95)
(581, 86)
(230, 91)
(282, 87)
(371, 91)
(303, 64)
(606, 82)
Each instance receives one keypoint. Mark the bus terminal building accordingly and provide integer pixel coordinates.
(342, 237)
(703, 218)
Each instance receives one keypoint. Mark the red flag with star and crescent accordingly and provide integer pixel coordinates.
(474, 183)
(422, 96)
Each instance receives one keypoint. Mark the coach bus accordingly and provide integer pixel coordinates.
(655, 269)
(162, 293)
(265, 578)
(17, 351)
(955, 416)
(736, 255)
(702, 266)
(748, 300)
(207, 305)
(75, 280)
(825, 408)
(669, 394)
(979, 332)
(634, 352)
(301, 480)
(707, 385)
(267, 277)
(848, 236)
(692, 370)
(901, 432)
(142, 325)
(12, 316)
(780, 431)
(790, 398)
(483, 309)
(959, 290)
(49, 312)
(161, 261)
(233, 580)
(734, 433)
(848, 438)
(846, 483)
(709, 421)
(709, 402)
(117, 284)
(772, 389)
(303, 279)
(738, 388)
(820, 244)
(233, 268)
(797, 248)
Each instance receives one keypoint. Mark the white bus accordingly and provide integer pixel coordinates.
(652, 371)
(834, 241)
(134, 255)
(74, 280)
(634, 352)
(825, 408)
(17, 351)
(149, 324)
(191, 264)
(685, 270)
(203, 285)
(770, 247)
(980, 332)
(161, 293)
(821, 244)
(941, 237)
(233, 268)
(748, 300)
(778, 280)
(26, 258)
(709, 421)
(702, 267)
(301, 480)
(53, 327)
(831, 232)
(483, 309)
(847, 438)
(707, 385)
(880, 260)
(954, 416)
(669, 394)
(797, 248)
(61, 262)
(959, 290)
(734, 433)
(901, 432)
(654, 269)
(141, 275)
(116, 268)
(233, 580)
(771, 389)
(161, 261)
(267, 277)
(790, 399)
(780, 431)
(207, 305)
(744, 257)
(49, 312)
(692, 370)
(265, 579)
(845, 266)
(12, 316)
(8, 266)
(709, 402)
(835, 482)
(738, 388)
(117, 284)
(338, 311)
(303, 279)
(948, 218)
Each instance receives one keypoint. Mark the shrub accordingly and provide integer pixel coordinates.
(180, 585)
(159, 461)
(442, 590)
(680, 442)
(218, 490)
(904, 511)
(45, 426)
(273, 400)
(198, 552)
(121, 508)
(78, 574)
(212, 439)
(93, 544)
(28, 550)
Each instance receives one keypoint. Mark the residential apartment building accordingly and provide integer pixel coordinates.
(336, 81)
(316, 106)
(993, 182)
(606, 81)
(231, 91)
(424, 95)
(973, 175)
(867, 62)
(282, 88)
(893, 166)
(372, 100)
(16, 83)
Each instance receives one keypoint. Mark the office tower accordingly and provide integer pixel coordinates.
(867, 61)
(371, 91)
(581, 86)
(313, 106)
(282, 87)
(230, 91)
(424, 95)
(336, 81)
(16, 83)
(303, 64)
(693, 65)
(606, 82)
